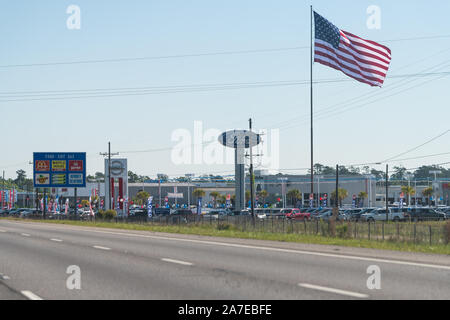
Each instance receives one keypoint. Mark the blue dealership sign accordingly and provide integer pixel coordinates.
(59, 170)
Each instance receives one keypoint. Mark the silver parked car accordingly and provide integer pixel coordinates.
(380, 215)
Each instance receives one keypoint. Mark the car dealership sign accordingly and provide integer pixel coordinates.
(59, 170)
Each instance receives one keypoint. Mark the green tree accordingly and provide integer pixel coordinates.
(85, 203)
(428, 192)
(215, 195)
(378, 174)
(343, 194)
(21, 177)
(263, 194)
(199, 193)
(408, 191)
(133, 177)
(247, 196)
(142, 197)
(363, 196)
(294, 195)
(222, 199)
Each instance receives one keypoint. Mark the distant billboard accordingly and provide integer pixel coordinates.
(59, 170)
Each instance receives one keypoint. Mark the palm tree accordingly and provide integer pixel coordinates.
(294, 195)
(198, 193)
(363, 196)
(215, 195)
(342, 195)
(428, 192)
(263, 194)
(142, 197)
(408, 191)
(222, 199)
(247, 196)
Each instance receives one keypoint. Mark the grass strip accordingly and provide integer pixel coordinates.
(229, 231)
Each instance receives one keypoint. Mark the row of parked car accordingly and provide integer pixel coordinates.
(414, 214)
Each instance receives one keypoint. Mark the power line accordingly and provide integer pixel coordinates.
(142, 91)
(418, 147)
(192, 55)
(325, 112)
(340, 109)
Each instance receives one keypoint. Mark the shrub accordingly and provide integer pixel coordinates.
(107, 215)
(343, 231)
(224, 226)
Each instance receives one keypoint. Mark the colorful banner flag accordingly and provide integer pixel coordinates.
(150, 207)
(199, 206)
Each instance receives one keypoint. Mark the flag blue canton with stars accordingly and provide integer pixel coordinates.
(326, 31)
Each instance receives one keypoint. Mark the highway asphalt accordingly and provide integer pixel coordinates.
(116, 264)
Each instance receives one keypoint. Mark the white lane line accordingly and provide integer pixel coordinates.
(184, 263)
(233, 245)
(336, 291)
(101, 248)
(56, 240)
(30, 295)
(26, 235)
(2, 231)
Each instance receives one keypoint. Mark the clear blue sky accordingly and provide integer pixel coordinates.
(35, 32)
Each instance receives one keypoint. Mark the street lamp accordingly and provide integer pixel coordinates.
(283, 189)
(435, 172)
(409, 176)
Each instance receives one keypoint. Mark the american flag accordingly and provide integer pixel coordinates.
(360, 59)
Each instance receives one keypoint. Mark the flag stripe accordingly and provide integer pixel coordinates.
(364, 52)
(365, 59)
(349, 70)
(332, 64)
(370, 42)
(349, 58)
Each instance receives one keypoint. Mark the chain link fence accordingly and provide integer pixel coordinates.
(428, 233)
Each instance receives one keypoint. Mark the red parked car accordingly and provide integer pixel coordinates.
(296, 214)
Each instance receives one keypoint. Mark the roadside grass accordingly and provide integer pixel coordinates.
(230, 231)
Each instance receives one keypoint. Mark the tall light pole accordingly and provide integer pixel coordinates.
(189, 176)
(283, 190)
(108, 180)
(387, 193)
(409, 176)
(435, 172)
(252, 185)
(3, 190)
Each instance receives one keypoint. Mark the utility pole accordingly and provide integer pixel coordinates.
(159, 191)
(252, 187)
(435, 172)
(312, 105)
(337, 191)
(3, 190)
(108, 180)
(387, 193)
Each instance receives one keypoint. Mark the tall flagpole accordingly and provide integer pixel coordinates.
(312, 108)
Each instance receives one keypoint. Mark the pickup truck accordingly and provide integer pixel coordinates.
(380, 215)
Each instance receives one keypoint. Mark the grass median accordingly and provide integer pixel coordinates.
(230, 231)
